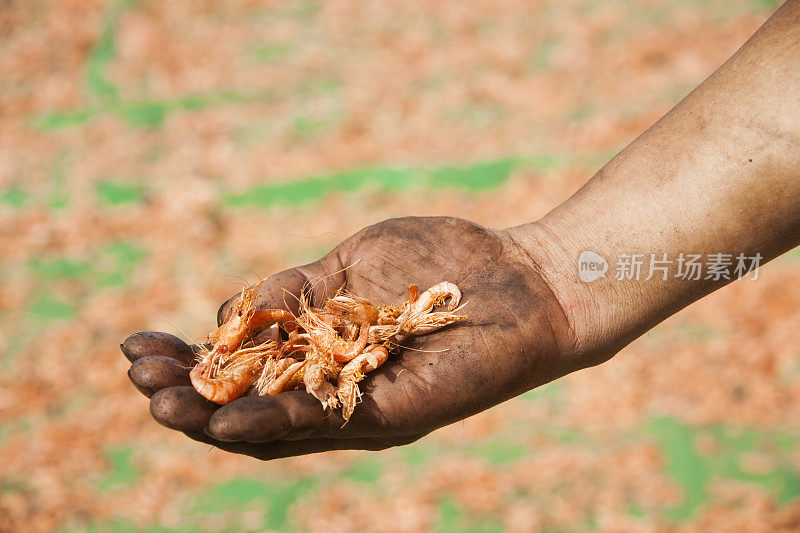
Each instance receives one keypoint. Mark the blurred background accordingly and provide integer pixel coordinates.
(150, 151)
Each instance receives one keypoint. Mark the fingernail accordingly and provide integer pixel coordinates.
(128, 355)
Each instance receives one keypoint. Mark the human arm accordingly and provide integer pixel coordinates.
(687, 185)
(720, 173)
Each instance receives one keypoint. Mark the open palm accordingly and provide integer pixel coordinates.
(512, 341)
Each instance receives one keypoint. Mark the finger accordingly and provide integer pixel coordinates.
(152, 373)
(290, 415)
(319, 280)
(181, 408)
(283, 449)
(147, 343)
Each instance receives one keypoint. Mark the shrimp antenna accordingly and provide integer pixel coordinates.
(171, 323)
(420, 349)
(312, 284)
(256, 274)
(244, 281)
(467, 277)
(460, 307)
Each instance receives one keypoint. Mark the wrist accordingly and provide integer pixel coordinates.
(594, 310)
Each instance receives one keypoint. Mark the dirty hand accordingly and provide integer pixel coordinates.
(516, 338)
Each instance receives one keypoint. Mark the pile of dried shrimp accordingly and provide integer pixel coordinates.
(325, 350)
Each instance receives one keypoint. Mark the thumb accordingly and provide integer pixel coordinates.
(317, 281)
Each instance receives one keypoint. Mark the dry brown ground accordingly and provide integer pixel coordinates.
(192, 100)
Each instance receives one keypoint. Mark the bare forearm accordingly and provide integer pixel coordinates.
(719, 174)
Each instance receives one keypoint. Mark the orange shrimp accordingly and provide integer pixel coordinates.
(244, 319)
(354, 308)
(324, 337)
(315, 377)
(369, 360)
(340, 350)
(428, 322)
(267, 317)
(280, 383)
(222, 390)
(411, 318)
(223, 382)
(436, 295)
(353, 372)
(226, 377)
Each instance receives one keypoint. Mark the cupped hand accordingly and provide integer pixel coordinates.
(516, 337)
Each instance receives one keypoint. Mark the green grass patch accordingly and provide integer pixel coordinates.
(144, 114)
(783, 480)
(684, 465)
(367, 471)
(549, 391)
(306, 127)
(499, 452)
(103, 53)
(122, 471)
(417, 455)
(67, 119)
(794, 253)
(106, 96)
(275, 498)
(452, 520)
(694, 472)
(59, 196)
(765, 5)
(113, 193)
(116, 262)
(45, 308)
(59, 269)
(121, 526)
(14, 197)
(110, 266)
(271, 53)
(478, 177)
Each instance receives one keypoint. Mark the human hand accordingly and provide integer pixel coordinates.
(516, 338)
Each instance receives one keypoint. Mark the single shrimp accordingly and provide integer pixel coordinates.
(267, 317)
(436, 295)
(412, 317)
(231, 383)
(387, 314)
(369, 360)
(315, 377)
(347, 386)
(244, 319)
(280, 383)
(324, 337)
(354, 308)
(428, 322)
(272, 369)
(339, 349)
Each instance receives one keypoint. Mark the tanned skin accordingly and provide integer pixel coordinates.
(720, 173)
